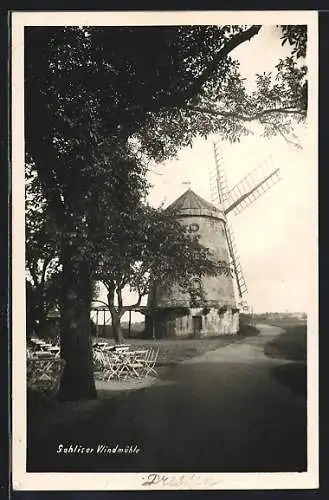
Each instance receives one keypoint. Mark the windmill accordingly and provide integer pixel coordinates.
(209, 307)
(235, 200)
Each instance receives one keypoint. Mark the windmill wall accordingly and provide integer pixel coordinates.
(173, 313)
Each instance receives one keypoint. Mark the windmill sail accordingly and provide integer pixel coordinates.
(243, 194)
(250, 189)
(218, 180)
(220, 196)
(240, 280)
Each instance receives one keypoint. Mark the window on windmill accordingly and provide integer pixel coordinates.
(193, 228)
(195, 284)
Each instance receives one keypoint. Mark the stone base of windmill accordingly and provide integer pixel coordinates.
(197, 322)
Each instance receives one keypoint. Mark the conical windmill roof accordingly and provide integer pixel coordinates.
(190, 199)
(190, 202)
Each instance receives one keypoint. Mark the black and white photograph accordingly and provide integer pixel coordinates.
(164, 250)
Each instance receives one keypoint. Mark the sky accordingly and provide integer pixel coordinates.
(275, 235)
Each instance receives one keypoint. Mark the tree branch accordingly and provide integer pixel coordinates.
(110, 296)
(101, 302)
(34, 276)
(243, 117)
(119, 295)
(141, 294)
(178, 98)
(232, 44)
(278, 129)
(44, 270)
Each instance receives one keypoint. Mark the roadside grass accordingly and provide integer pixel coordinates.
(292, 346)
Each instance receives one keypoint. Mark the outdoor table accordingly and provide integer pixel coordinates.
(42, 354)
(132, 363)
(100, 346)
(121, 348)
(42, 346)
(54, 350)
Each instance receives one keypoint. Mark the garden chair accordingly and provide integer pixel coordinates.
(150, 362)
(111, 365)
(136, 362)
(97, 358)
(44, 374)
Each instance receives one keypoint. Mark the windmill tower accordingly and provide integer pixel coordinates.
(209, 307)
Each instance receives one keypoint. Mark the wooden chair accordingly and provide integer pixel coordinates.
(43, 374)
(136, 362)
(111, 365)
(150, 362)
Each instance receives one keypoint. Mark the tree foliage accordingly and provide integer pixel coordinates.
(41, 256)
(161, 88)
(296, 35)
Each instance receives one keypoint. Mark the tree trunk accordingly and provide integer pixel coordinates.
(77, 382)
(116, 326)
(35, 317)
